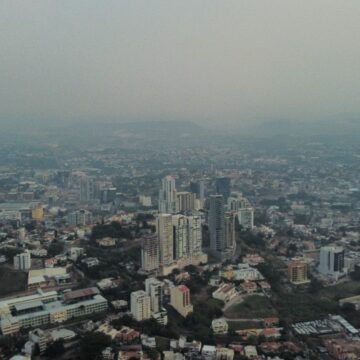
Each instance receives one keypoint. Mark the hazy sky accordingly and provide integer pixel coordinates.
(202, 60)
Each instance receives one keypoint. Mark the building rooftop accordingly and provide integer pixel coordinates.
(72, 295)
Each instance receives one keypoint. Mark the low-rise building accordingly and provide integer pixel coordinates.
(224, 353)
(225, 293)
(343, 349)
(106, 242)
(220, 326)
(46, 308)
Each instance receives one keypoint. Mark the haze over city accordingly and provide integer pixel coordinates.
(179, 180)
(209, 62)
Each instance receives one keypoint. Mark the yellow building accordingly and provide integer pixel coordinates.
(37, 212)
(180, 300)
(297, 272)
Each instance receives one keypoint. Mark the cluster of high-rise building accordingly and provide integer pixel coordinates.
(222, 220)
(172, 201)
(149, 303)
(177, 243)
(179, 232)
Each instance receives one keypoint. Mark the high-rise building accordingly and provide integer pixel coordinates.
(223, 187)
(79, 218)
(180, 300)
(198, 188)
(37, 212)
(297, 271)
(145, 200)
(187, 236)
(87, 189)
(237, 201)
(332, 261)
(164, 229)
(167, 196)
(150, 253)
(140, 305)
(194, 235)
(155, 289)
(107, 194)
(230, 231)
(185, 201)
(22, 261)
(178, 242)
(217, 224)
(63, 178)
(246, 218)
(180, 235)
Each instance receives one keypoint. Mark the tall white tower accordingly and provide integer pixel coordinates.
(140, 305)
(167, 195)
(194, 235)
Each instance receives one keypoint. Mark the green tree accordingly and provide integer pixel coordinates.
(92, 344)
(55, 349)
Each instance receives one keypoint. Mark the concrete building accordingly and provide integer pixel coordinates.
(45, 308)
(140, 303)
(246, 218)
(219, 326)
(180, 300)
(178, 243)
(150, 253)
(236, 201)
(217, 225)
(76, 252)
(80, 218)
(145, 200)
(185, 201)
(223, 187)
(230, 233)
(167, 196)
(22, 261)
(155, 289)
(37, 213)
(332, 261)
(194, 233)
(225, 292)
(164, 229)
(87, 189)
(198, 188)
(297, 272)
(181, 243)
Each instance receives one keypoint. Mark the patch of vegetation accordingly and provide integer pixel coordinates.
(92, 344)
(113, 230)
(253, 307)
(11, 280)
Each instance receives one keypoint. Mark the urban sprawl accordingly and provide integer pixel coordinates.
(215, 250)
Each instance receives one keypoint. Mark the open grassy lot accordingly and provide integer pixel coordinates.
(11, 280)
(304, 306)
(253, 307)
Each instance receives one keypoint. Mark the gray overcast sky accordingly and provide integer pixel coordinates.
(202, 60)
